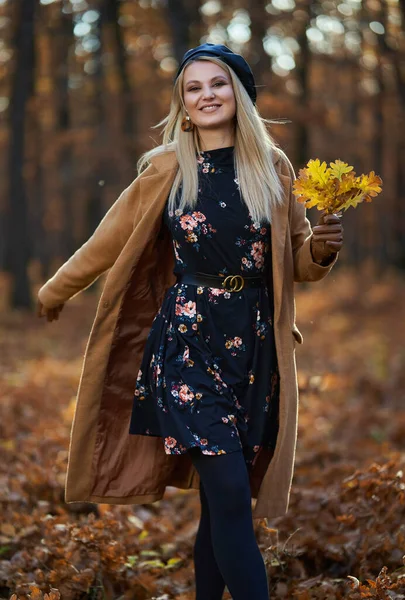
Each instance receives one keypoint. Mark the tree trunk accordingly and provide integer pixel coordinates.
(179, 21)
(257, 58)
(18, 243)
(303, 69)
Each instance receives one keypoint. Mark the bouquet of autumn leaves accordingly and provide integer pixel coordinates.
(335, 188)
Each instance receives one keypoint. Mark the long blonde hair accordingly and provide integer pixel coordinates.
(259, 183)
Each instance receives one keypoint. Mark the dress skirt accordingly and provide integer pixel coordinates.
(209, 377)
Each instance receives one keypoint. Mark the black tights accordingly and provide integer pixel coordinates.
(226, 551)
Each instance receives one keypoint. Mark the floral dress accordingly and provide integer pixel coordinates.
(209, 378)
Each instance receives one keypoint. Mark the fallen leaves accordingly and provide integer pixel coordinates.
(36, 594)
(344, 534)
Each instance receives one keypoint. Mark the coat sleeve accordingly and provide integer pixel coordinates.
(305, 268)
(100, 251)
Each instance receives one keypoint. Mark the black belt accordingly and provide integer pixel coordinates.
(231, 283)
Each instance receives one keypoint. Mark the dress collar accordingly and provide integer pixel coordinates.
(219, 160)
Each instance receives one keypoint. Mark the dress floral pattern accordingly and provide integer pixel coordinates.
(209, 376)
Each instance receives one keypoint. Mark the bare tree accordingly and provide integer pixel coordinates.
(18, 239)
(257, 57)
(185, 24)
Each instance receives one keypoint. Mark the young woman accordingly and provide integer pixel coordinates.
(189, 376)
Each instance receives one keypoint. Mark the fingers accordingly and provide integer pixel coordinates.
(331, 219)
(328, 234)
(330, 231)
(326, 237)
(51, 314)
(334, 246)
(327, 229)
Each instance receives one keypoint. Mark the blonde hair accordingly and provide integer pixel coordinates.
(259, 183)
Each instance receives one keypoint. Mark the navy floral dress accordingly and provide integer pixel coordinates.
(209, 376)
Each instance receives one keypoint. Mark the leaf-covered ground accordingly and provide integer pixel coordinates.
(344, 533)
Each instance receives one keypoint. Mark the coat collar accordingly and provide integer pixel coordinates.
(167, 161)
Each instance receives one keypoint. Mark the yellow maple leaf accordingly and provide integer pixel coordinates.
(339, 168)
(318, 172)
(370, 184)
(335, 188)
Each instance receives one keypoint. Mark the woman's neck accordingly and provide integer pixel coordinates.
(213, 140)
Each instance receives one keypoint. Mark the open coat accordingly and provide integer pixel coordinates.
(106, 464)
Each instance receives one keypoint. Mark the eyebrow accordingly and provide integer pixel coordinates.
(212, 79)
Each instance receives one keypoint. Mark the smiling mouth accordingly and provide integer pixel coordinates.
(210, 108)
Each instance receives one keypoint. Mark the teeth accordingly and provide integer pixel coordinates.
(209, 108)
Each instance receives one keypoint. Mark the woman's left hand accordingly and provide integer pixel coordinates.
(51, 314)
(327, 238)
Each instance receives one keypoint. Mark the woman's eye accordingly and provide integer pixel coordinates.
(217, 83)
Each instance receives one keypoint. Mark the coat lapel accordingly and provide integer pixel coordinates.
(278, 235)
(154, 191)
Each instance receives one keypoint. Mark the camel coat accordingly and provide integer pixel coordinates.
(106, 464)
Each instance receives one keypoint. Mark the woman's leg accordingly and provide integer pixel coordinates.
(226, 485)
(209, 582)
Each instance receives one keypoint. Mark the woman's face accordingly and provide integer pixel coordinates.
(205, 84)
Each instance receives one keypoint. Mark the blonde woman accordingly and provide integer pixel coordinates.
(189, 377)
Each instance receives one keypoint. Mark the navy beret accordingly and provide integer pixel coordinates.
(235, 61)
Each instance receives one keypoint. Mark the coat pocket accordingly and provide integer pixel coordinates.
(297, 334)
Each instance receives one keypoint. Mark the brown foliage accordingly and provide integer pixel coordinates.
(344, 534)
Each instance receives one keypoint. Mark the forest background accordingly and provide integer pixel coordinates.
(81, 84)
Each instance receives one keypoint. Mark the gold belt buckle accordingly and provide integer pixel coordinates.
(236, 283)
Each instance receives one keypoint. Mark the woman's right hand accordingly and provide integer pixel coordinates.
(51, 314)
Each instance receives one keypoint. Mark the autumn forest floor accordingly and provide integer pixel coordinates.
(347, 508)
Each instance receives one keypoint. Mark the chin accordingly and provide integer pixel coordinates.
(208, 123)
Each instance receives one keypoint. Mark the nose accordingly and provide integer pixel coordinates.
(208, 92)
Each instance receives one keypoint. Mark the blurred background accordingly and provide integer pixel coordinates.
(83, 81)
(81, 84)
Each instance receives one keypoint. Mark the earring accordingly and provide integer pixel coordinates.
(186, 124)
